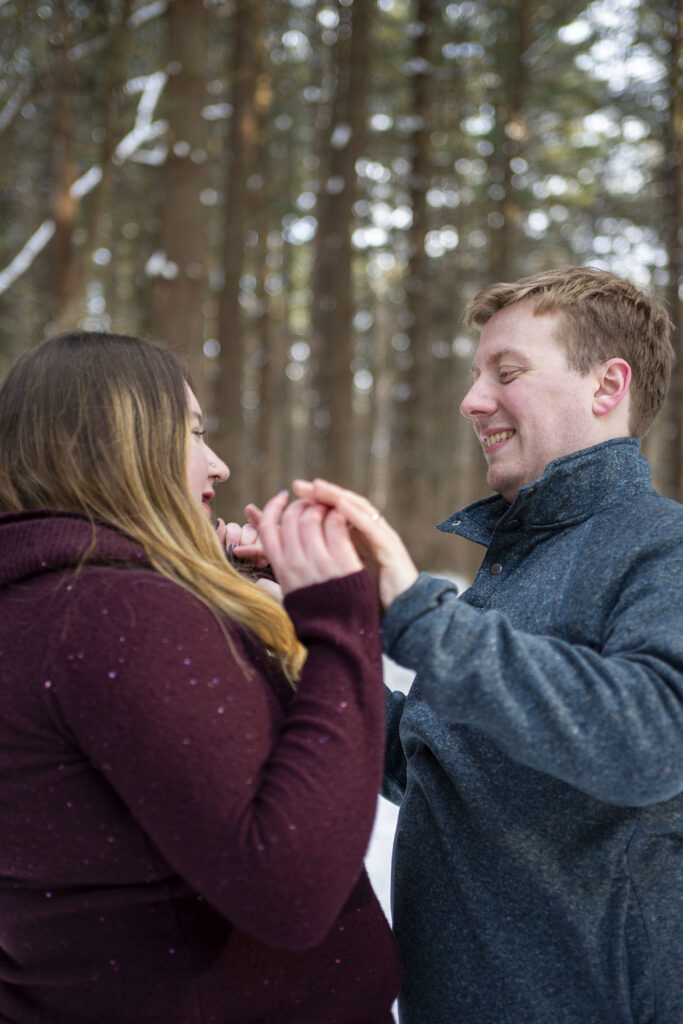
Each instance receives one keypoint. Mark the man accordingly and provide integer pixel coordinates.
(538, 758)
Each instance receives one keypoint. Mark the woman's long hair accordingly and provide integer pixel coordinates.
(97, 423)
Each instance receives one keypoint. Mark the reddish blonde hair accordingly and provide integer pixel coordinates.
(601, 317)
(97, 423)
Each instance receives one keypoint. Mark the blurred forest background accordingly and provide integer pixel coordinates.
(302, 196)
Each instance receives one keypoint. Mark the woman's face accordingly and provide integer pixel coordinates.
(204, 468)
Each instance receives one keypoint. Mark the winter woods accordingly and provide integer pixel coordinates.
(301, 197)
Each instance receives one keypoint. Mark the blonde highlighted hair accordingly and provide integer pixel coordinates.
(98, 424)
(602, 317)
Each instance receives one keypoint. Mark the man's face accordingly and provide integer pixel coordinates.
(526, 404)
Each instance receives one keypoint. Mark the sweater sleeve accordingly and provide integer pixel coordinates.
(608, 721)
(265, 811)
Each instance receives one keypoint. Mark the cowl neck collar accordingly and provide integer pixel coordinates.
(47, 540)
(570, 490)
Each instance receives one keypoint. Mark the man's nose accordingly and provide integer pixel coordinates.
(479, 401)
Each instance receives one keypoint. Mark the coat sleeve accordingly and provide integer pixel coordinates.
(608, 721)
(395, 766)
(263, 805)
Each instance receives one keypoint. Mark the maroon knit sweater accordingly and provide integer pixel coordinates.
(181, 836)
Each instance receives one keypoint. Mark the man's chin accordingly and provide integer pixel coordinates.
(502, 485)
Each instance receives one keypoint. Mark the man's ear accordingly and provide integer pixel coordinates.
(614, 381)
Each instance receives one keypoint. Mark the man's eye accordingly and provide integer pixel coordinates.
(505, 376)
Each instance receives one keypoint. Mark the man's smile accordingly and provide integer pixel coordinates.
(503, 435)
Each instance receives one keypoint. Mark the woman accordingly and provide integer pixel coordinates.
(188, 771)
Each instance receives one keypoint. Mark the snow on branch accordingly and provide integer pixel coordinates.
(13, 104)
(86, 183)
(146, 13)
(23, 260)
(144, 130)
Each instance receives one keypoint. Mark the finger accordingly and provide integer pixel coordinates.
(270, 528)
(312, 547)
(233, 533)
(248, 535)
(359, 511)
(339, 543)
(221, 531)
(376, 541)
(253, 514)
(253, 553)
(325, 541)
(333, 494)
(248, 545)
(295, 557)
(350, 503)
(271, 587)
(304, 488)
(301, 530)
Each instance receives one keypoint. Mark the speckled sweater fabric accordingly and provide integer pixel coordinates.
(174, 848)
(538, 866)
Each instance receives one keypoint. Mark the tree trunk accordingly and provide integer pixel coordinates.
(65, 206)
(242, 148)
(411, 500)
(668, 439)
(99, 228)
(179, 290)
(333, 286)
(511, 134)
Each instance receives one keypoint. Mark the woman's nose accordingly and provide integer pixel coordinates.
(218, 470)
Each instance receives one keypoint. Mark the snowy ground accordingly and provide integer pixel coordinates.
(378, 857)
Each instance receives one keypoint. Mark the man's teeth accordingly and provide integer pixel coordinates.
(497, 438)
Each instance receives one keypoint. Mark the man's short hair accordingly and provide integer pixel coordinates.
(602, 317)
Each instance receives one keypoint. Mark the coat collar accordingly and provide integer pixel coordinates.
(569, 491)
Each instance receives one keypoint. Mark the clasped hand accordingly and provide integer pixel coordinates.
(304, 543)
(328, 532)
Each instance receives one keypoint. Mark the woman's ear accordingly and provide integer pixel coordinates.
(613, 383)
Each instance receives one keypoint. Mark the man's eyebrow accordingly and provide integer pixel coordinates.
(510, 350)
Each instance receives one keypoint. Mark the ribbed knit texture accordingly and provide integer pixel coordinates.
(182, 836)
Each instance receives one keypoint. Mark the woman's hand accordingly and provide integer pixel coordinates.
(243, 541)
(305, 543)
(380, 547)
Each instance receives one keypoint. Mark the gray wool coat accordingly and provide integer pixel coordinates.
(538, 759)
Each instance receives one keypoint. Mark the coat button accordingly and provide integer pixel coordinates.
(514, 524)
(495, 568)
